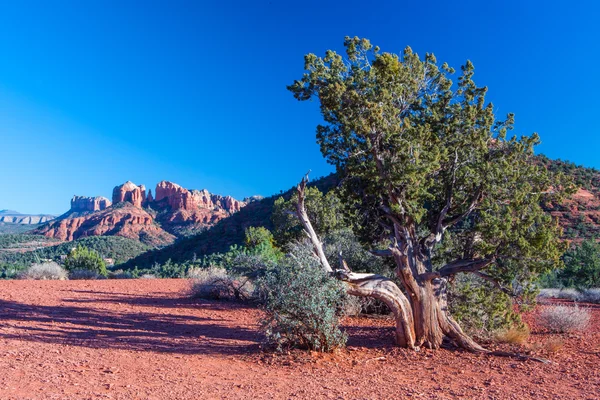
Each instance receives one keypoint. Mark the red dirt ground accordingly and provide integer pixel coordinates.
(144, 339)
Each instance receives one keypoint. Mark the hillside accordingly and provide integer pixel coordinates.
(118, 248)
(580, 215)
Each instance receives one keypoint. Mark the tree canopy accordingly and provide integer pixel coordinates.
(426, 164)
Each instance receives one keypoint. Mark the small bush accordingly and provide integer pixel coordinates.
(514, 335)
(565, 294)
(562, 319)
(586, 295)
(591, 296)
(303, 306)
(215, 284)
(82, 258)
(148, 276)
(554, 345)
(47, 270)
(120, 274)
(84, 274)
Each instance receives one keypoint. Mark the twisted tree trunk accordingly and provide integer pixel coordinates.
(422, 317)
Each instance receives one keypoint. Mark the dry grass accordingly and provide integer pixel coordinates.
(513, 335)
(215, 284)
(563, 319)
(587, 295)
(554, 345)
(44, 271)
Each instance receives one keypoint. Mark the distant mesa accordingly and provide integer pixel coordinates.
(15, 217)
(135, 213)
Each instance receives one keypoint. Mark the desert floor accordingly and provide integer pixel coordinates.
(146, 339)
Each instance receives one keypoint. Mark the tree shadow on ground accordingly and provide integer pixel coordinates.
(158, 300)
(371, 337)
(129, 330)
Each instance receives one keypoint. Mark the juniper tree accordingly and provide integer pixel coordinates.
(425, 160)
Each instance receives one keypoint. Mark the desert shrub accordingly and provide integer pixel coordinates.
(303, 305)
(562, 319)
(46, 270)
(120, 274)
(586, 295)
(516, 335)
(554, 345)
(215, 283)
(591, 295)
(565, 294)
(148, 276)
(84, 274)
(82, 258)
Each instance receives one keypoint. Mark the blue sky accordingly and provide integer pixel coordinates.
(95, 93)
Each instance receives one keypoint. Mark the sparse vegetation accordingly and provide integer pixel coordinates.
(215, 283)
(44, 271)
(563, 319)
(84, 274)
(513, 335)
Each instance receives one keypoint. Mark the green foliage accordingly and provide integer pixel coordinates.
(259, 241)
(303, 306)
(479, 308)
(118, 248)
(13, 240)
(582, 266)
(324, 211)
(355, 255)
(82, 258)
(10, 228)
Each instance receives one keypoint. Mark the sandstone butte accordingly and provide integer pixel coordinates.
(134, 213)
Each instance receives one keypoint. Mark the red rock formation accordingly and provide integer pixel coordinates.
(174, 195)
(179, 211)
(128, 221)
(83, 203)
(131, 193)
(196, 208)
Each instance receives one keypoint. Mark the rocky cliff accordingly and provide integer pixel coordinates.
(129, 192)
(83, 203)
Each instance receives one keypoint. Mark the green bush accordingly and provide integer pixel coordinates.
(303, 305)
(479, 308)
(82, 258)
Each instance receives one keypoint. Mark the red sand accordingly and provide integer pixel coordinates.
(144, 339)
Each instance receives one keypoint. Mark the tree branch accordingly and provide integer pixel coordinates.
(464, 265)
(495, 283)
(308, 229)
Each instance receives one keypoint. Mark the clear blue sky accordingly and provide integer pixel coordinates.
(94, 93)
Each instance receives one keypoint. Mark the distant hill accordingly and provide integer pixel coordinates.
(15, 217)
